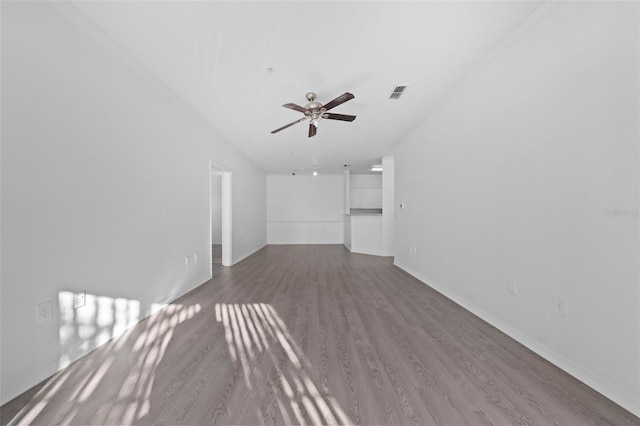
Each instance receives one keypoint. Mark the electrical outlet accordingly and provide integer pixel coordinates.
(512, 287)
(81, 299)
(560, 306)
(44, 311)
(186, 261)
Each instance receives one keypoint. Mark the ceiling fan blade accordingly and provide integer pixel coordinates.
(341, 117)
(346, 96)
(294, 107)
(289, 125)
(312, 129)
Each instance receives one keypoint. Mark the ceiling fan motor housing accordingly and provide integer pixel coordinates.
(313, 105)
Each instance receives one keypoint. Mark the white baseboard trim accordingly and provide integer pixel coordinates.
(9, 391)
(622, 398)
(155, 307)
(12, 390)
(244, 256)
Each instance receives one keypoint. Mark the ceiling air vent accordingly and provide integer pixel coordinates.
(397, 92)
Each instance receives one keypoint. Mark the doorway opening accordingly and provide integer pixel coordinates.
(220, 217)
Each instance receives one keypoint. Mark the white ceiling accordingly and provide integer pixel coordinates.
(236, 63)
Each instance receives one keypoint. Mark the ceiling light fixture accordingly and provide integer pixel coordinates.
(376, 168)
(315, 173)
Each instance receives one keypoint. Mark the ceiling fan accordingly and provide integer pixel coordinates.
(315, 112)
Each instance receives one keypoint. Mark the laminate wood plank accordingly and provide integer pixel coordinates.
(382, 367)
(505, 366)
(479, 387)
(313, 335)
(467, 353)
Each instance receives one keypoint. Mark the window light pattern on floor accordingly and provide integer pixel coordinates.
(256, 334)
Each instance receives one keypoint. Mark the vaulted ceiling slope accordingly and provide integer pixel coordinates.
(236, 63)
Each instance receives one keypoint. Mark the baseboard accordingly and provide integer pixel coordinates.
(156, 306)
(244, 256)
(595, 382)
(13, 390)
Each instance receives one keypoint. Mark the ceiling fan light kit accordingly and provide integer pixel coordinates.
(314, 111)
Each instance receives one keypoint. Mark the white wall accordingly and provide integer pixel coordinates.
(105, 189)
(305, 209)
(347, 192)
(518, 177)
(388, 205)
(365, 234)
(216, 208)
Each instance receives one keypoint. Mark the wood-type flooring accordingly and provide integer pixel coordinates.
(313, 335)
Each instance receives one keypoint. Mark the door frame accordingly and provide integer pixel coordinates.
(227, 224)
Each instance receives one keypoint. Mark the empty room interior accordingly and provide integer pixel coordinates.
(320, 212)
